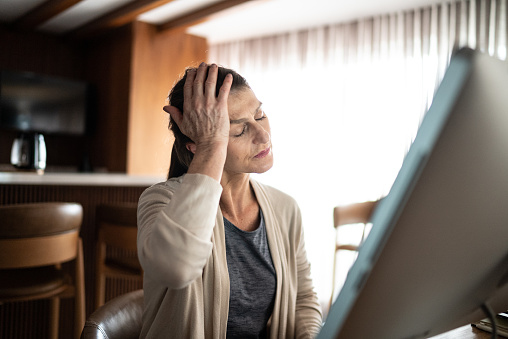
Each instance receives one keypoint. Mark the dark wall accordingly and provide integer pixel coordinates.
(104, 62)
(46, 55)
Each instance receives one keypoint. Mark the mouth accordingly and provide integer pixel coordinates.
(263, 153)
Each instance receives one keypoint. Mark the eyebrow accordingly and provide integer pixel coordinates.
(242, 120)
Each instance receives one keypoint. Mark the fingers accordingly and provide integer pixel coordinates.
(204, 116)
(188, 87)
(225, 88)
(199, 80)
(205, 81)
(211, 82)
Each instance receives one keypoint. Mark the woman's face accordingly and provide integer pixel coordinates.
(250, 146)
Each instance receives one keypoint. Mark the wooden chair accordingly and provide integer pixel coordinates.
(35, 240)
(116, 250)
(356, 213)
(120, 317)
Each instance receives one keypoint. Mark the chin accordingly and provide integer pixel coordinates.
(263, 169)
(261, 172)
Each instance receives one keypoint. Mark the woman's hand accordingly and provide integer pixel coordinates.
(205, 118)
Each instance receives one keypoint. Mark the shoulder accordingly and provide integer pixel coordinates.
(161, 189)
(187, 182)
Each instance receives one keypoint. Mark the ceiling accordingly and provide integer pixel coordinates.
(216, 20)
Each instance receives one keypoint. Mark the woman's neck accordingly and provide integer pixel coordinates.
(238, 203)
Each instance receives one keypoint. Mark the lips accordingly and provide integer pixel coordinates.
(263, 153)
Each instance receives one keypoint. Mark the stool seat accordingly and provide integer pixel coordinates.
(36, 240)
(16, 222)
(27, 284)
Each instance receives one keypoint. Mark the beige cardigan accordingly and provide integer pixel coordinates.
(181, 247)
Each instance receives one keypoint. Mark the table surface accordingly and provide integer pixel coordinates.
(465, 332)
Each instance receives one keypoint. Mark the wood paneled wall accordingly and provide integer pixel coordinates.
(108, 60)
(41, 53)
(132, 70)
(158, 60)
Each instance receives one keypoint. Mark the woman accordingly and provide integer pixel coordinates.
(223, 255)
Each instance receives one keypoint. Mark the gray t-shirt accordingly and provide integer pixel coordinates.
(252, 281)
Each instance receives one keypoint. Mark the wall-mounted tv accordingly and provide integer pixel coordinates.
(32, 102)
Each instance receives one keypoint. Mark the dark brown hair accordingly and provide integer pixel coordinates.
(181, 157)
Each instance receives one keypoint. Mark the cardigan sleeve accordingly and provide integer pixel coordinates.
(175, 225)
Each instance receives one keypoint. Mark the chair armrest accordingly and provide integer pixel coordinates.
(120, 317)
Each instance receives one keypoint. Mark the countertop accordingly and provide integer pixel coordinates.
(78, 179)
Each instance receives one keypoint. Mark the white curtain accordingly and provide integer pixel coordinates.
(345, 102)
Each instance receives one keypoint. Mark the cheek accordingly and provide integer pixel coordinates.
(235, 151)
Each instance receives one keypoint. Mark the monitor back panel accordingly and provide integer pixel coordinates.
(439, 244)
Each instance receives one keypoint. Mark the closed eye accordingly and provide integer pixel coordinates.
(263, 116)
(245, 122)
(241, 133)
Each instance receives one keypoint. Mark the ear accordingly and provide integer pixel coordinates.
(191, 147)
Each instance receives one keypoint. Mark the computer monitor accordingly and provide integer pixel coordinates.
(438, 248)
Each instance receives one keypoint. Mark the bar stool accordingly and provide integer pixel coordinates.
(116, 257)
(35, 240)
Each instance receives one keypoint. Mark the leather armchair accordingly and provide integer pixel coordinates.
(119, 318)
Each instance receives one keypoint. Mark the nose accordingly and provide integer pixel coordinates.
(262, 135)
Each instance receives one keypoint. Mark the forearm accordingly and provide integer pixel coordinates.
(175, 228)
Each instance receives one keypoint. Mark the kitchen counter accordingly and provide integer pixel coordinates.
(77, 179)
(88, 189)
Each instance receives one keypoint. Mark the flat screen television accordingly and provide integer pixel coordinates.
(32, 102)
(437, 255)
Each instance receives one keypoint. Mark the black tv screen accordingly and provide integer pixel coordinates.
(35, 103)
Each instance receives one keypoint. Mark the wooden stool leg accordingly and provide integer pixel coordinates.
(79, 296)
(100, 279)
(54, 317)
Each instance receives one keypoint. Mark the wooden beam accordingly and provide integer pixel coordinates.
(199, 15)
(42, 13)
(116, 18)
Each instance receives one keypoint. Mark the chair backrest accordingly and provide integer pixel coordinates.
(118, 225)
(39, 234)
(119, 318)
(353, 213)
(356, 213)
